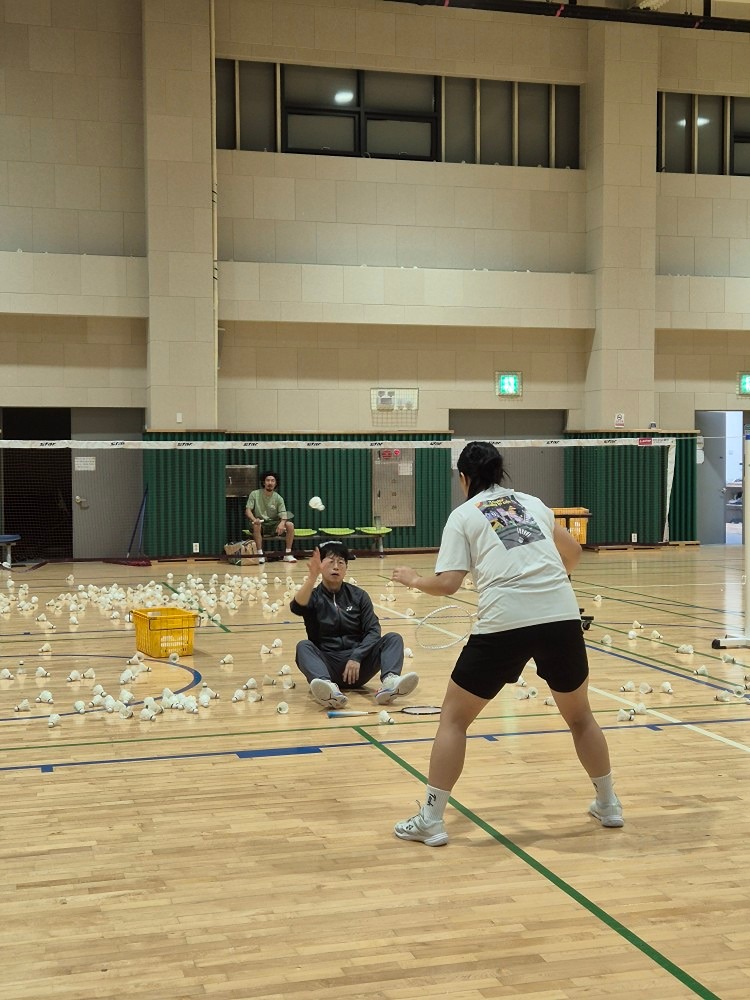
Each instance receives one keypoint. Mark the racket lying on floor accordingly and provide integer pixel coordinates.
(444, 627)
(344, 713)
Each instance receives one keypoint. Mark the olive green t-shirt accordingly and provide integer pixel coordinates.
(268, 506)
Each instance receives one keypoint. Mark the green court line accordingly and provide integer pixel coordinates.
(220, 625)
(607, 919)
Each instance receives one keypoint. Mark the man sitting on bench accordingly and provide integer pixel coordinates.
(267, 514)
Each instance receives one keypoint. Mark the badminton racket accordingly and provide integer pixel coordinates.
(444, 627)
(407, 710)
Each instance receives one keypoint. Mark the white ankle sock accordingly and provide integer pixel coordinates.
(605, 793)
(435, 801)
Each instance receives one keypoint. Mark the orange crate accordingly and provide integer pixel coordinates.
(575, 519)
(161, 631)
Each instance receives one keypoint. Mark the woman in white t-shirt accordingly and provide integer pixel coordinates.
(520, 560)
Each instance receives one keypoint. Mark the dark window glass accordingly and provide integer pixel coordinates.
(533, 125)
(226, 136)
(404, 94)
(678, 133)
(257, 106)
(741, 115)
(319, 87)
(496, 122)
(459, 121)
(710, 135)
(321, 133)
(740, 110)
(567, 127)
(409, 139)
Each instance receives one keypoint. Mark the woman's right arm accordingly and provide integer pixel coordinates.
(437, 584)
(568, 547)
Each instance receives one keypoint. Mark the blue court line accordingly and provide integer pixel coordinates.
(320, 748)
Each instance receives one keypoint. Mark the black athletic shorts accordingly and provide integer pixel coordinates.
(489, 662)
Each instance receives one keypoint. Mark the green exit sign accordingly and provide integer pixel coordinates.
(510, 383)
(743, 383)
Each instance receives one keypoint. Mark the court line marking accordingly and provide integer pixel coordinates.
(606, 918)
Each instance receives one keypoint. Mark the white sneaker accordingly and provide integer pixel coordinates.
(417, 828)
(326, 693)
(289, 558)
(261, 559)
(608, 815)
(395, 684)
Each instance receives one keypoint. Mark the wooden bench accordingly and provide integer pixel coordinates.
(7, 542)
(317, 537)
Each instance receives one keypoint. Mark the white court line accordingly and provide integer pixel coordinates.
(671, 718)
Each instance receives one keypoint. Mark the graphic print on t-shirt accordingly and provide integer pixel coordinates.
(510, 521)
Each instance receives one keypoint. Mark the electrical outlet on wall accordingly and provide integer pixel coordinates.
(196, 546)
(634, 536)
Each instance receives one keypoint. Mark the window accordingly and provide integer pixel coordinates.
(703, 134)
(740, 132)
(340, 111)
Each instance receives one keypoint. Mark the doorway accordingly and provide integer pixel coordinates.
(719, 478)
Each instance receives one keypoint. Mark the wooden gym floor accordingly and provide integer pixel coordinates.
(239, 853)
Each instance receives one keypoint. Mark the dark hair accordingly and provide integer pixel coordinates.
(333, 548)
(482, 464)
(265, 476)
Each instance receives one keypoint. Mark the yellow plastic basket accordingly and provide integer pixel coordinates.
(161, 631)
(576, 525)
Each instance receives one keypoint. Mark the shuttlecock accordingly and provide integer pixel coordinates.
(727, 658)
(276, 644)
(632, 634)
(126, 712)
(174, 657)
(532, 692)
(288, 684)
(53, 720)
(209, 691)
(133, 661)
(645, 688)
(98, 689)
(74, 675)
(656, 635)
(268, 680)
(640, 708)
(597, 599)
(23, 706)
(409, 612)
(625, 715)
(607, 640)
(666, 688)
(250, 684)
(738, 692)
(549, 701)
(126, 697)
(628, 686)
(239, 695)
(523, 695)
(89, 674)
(285, 671)
(409, 653)
(685, 648)
(723, 696)
(316, 503)
(204, 700)
(637, 624)
(265, 649)
(521, 682)
(255, 696)
(73, 620)
(46, 648)
(385, 719)
(282, 708)
(42, 617)
(226, 660)
(6, 675)
(146, 715)
(127, 676)
(701, 671)
(70, 579)
(79, 706)
(45, 698)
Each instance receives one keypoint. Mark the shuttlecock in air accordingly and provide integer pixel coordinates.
(625, 715)
(226, 660)
(282, 708)
(685, 648)
(701, 671)
(607, 640)
(316, 503)
(666, 688)
(385, 719)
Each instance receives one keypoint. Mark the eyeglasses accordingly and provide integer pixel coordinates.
(335, 560)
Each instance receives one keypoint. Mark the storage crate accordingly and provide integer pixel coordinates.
(161, 631)
(575, 519)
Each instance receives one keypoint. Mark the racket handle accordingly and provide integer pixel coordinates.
(336, 714)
